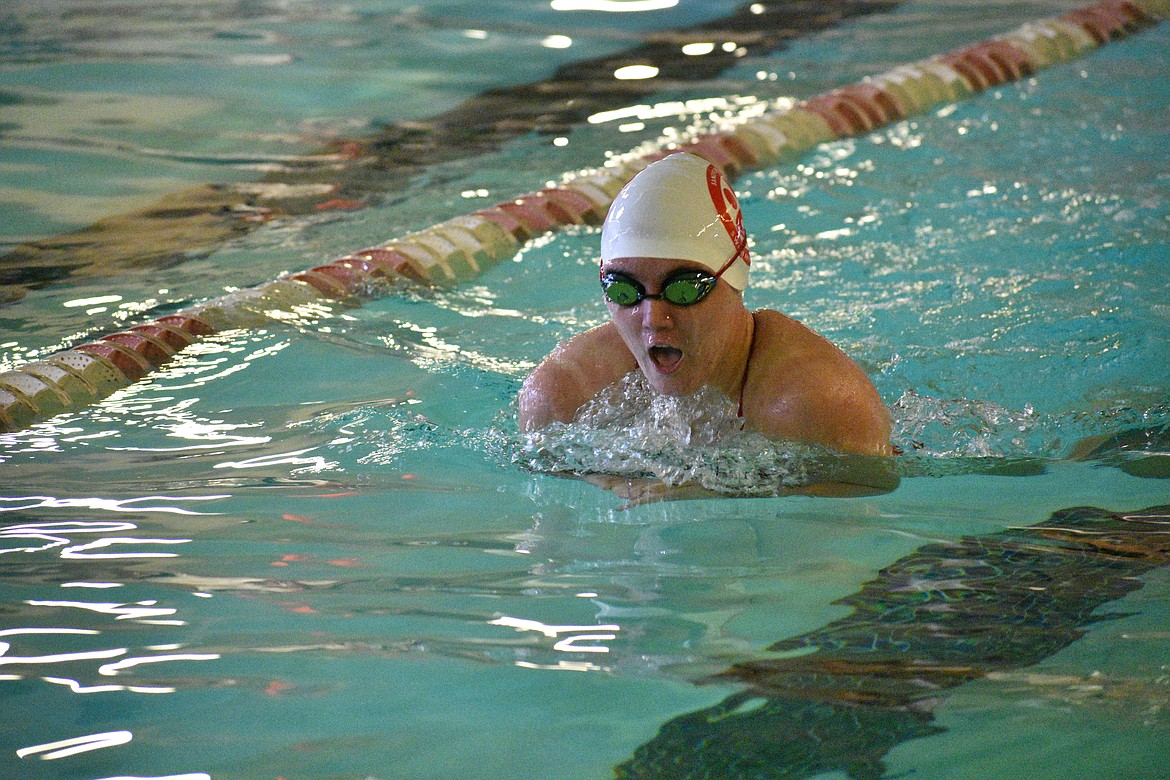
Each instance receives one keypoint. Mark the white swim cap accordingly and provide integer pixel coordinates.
(679, 208)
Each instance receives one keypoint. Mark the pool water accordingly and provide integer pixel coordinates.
(316, 549)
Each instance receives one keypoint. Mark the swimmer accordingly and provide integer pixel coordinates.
(674, 264)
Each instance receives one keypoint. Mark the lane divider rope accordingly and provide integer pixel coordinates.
(464, 246)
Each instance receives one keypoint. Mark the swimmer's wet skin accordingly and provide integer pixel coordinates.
(674, 264)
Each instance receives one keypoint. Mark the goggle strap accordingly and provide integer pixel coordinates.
(740, 252)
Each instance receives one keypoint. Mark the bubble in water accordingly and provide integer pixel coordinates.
(965, 428)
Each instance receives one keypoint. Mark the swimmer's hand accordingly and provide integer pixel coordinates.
(856, 477)
(645, 490)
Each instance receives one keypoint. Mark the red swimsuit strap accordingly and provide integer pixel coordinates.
(743, 380)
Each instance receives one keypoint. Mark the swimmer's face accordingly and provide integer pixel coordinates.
(678, 348)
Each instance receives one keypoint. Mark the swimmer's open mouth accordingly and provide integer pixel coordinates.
(665, 359)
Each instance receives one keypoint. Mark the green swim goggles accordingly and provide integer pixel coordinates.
(682, 288)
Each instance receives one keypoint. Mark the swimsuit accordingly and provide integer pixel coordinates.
(743, 381)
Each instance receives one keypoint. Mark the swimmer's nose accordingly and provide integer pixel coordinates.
(656, 313)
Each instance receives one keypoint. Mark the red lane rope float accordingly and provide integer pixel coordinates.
(464, 246)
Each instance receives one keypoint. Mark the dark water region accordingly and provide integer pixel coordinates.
(840, 698)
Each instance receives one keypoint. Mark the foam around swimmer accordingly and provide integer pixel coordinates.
(680, 208)
(631, 430)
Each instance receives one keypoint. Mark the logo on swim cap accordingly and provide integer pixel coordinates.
(727, 207)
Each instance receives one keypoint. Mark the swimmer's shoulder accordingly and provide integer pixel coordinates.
(787, 353)
(804, 387)
(575, 371)
(777, 331)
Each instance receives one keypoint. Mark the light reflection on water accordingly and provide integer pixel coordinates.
(21, 503)
(69, 747)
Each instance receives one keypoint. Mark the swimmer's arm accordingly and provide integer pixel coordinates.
(853, 476)
(827, 400)
(859, 430)
(648, 490)
(869, 472)
(809, 390)
(573, 373)
(862, 466)
(841, 411)
(548, 395)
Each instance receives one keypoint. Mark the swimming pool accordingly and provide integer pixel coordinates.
(307, 551)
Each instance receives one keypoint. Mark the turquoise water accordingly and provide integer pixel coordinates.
(307, 551)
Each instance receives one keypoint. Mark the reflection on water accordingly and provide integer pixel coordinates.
(841, 697)
(53, 638)
(69, 747)
(21, 503)
(578, 639)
